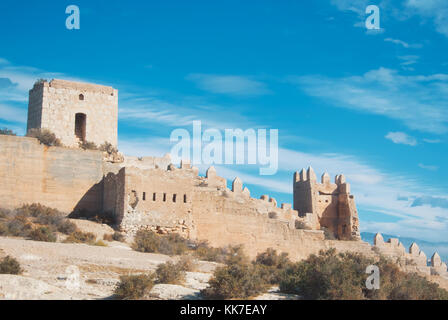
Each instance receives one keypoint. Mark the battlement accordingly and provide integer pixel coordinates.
(332, 203)
(414, 258)
(77, 86)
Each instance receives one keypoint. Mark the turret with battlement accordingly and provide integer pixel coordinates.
(332, 203)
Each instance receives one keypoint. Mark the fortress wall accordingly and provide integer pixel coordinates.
(226, 220)
(158, 200)
(56, 177)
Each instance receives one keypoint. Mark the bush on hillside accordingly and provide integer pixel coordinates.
(9, 265)
(235, 281)
(116, 236)
(134, 287)
(332, 276)
(170, 273)
(148, 241)
(81, 237)
(42, 234)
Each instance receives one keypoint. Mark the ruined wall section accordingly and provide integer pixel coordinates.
(54, 105)
(331, 203)
(413, 259)
(203, 208)
(56, 177)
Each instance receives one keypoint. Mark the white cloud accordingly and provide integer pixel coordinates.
(435, 10)
(401, 138)
(417, 101)
(229, 84)
(432, 141)
(408, 60)
(403, 43)
(428, 167)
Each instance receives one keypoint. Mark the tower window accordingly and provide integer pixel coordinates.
(164, 197)
(174, 197)
(185, 198)
(80, 126)
(154, 196)
(81, 97)
(144, 196)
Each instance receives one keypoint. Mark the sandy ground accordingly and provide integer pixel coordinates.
(60, 271)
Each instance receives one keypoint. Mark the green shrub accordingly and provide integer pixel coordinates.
(36, 209)
(134, 286)
(204, 252)
(342, 276)
(88, 145)
(186, 263)
(146, 241)
(66, 227)
(238, 280)
(172, 244)
(81, 237)
(5, 213)
(45, 137)
(116, 236)
(3, 229)
(272, 265)
(19, 227)
(170, 273)
(9, 265)
(42, 234)
(7, 132)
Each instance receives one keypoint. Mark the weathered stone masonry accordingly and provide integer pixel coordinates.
(151, 193)
(74, 111)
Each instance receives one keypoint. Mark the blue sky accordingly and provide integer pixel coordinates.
(370, 104)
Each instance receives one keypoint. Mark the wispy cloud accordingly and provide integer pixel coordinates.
(435, 10)
(401, 138)
(417, 101)
(408, 60)
(428, 167)
(403, 43)
(434, 202)
(229, 84)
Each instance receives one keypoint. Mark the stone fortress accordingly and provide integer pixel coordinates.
(152, 193)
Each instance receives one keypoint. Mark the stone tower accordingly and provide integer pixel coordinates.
(332, 203)
(74, 111)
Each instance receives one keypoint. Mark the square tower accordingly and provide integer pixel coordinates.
(74, 111)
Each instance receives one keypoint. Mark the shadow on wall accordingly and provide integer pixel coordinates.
(90, 207)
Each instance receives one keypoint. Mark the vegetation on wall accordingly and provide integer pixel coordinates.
(45, 137)
(7, 132)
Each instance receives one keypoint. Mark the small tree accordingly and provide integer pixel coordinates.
(9, 265)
